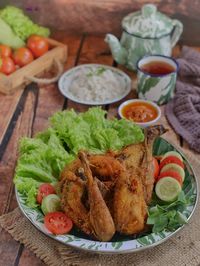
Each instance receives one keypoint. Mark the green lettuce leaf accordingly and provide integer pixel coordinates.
(42, 158)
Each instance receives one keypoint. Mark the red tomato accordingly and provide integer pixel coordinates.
(58, 223)
(5, 51)
(173, 174)
(22, 56)
(44, 190)
(156, 168)
(7, 66)
(171, 159)
(38, 45)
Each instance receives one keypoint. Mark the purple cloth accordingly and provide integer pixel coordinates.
(183, 111)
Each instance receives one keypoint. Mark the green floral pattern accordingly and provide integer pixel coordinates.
(120, 244)
(156, 89)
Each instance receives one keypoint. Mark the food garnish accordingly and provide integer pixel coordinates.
(168, 189)
(171, 153)
(5, 51)
(156, 167)
(58, 223)
(50, 203)
(174, 167)
(43, 191)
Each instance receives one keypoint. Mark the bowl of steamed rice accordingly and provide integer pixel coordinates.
(94, 84)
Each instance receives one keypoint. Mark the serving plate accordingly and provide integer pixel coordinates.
(68, 76)
(120, 244)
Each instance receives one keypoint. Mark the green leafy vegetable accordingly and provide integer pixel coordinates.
(167, 216)
(42, 158)
(8, 37)
(92, 131)
(22, 25)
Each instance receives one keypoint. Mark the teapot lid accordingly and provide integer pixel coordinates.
(147, 23)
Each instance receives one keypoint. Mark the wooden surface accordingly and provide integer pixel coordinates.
(103, 16)
(26, 112)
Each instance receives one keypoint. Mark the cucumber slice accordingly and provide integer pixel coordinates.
(172, 153)
(168, 189)
(175, 167)
(50, 203)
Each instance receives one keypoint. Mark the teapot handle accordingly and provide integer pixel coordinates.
(178, 29)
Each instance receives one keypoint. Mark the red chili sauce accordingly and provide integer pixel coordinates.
(139, 112)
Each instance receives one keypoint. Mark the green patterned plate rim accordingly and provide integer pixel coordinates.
(143, 242)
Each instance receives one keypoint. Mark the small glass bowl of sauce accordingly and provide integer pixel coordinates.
(141, 112)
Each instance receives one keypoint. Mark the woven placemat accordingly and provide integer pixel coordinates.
(182, 249)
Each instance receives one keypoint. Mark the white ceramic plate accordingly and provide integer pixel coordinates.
(68, 76)
(119, 244)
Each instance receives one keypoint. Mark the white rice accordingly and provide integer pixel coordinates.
(97, 84)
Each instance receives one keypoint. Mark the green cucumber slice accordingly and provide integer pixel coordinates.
(175, 167)
(50, 203)
(168, 189)
(172, 153)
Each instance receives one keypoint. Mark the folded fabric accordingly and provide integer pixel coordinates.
(183, 111)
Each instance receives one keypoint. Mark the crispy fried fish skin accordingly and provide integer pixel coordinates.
(100, 216)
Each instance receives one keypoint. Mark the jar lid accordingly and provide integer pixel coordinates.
(147, 23)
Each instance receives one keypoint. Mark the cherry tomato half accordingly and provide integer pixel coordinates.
(58, 223)
(22, 56)
(44, 190)
(156, 168)
(38, 45)
(7, 66)
(5, 51)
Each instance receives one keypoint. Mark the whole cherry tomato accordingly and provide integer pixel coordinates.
(38, 45)
(5, 51)
(44, 190)
(7, 66)
(22, 56)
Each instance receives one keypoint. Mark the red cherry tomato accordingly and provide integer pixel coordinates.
(155, 167)
(173, 174)
(38, 45)
(5, 51)
(58, 223)
(171, 159)
(22, 56)
(44, 190)
(7, 66)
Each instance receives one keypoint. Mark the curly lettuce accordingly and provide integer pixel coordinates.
(21, 24)
(42, 158)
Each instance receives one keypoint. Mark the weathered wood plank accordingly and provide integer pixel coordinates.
(8, 105)
(50, 99)
(105, 16)
(29, 258)
(9, 248)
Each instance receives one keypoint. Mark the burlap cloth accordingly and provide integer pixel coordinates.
(183, 249)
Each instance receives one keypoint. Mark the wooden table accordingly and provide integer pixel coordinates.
(27, 111)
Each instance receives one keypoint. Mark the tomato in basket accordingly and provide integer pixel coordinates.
(38, 45)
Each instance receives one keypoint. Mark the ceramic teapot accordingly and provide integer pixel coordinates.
(144, 32)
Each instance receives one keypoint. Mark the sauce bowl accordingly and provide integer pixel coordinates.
(151, 104)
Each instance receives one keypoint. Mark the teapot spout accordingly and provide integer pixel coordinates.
(119, 53)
